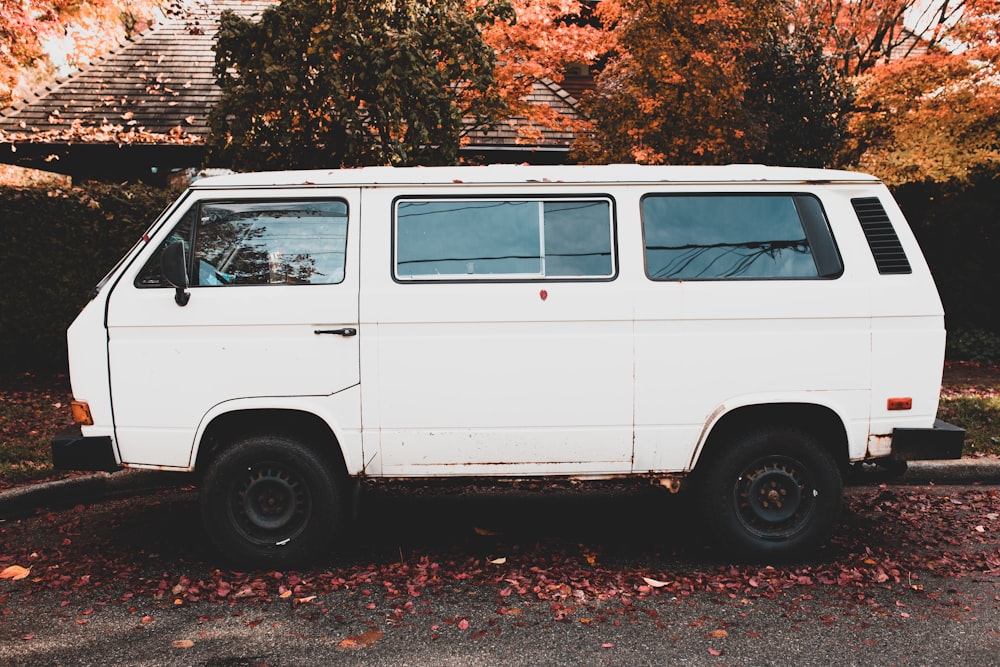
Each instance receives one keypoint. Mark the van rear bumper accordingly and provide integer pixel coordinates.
(71, 450)
(942, 441)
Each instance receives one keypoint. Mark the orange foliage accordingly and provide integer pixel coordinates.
(546, 37)
(862, 34)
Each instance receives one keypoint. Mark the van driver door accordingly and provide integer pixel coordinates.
(272, 312)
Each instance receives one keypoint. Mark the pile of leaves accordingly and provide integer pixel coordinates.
(890, 539)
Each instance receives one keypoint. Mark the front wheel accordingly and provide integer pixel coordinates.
(270, 501)
(773, 493)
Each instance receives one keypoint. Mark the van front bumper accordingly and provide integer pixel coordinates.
(942, 441)
(71, 450)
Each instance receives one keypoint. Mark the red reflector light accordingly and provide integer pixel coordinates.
(899, 403)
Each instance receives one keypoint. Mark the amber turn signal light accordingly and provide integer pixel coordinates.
(81, 413)
(899, 403)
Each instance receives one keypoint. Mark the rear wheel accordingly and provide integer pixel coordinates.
(773, 493)
(270, 501)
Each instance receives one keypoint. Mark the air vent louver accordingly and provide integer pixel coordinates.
(882, 239)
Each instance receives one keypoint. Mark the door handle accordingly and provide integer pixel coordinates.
(346, 331)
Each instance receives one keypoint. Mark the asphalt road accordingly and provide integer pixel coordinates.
(529, 577)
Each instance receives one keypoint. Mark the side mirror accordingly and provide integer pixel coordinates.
(173, 265)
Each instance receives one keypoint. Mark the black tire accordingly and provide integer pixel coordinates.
(772, 494)
(270, 501)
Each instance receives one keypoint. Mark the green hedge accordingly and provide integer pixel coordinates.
(958, 227)
(55, 245)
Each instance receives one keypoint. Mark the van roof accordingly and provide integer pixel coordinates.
(510, 174)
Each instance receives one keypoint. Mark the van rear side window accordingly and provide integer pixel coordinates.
(476, 239)
(736, 236)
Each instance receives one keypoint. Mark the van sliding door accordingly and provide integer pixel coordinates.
(501, 347)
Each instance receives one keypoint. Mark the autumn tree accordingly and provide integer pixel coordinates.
(935, 116)
(79, 31)
(384, 82)
(713, 81)
(539, 44)
(932, 118)
(316, 83)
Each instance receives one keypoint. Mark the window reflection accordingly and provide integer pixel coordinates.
(263, 243)
(706, 237)
(503, 238)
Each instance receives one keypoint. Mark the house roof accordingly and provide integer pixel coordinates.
(155, 92)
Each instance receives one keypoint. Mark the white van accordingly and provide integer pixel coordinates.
(284, 336)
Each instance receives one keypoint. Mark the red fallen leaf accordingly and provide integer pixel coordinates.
(607, 645)
(364, 640)
(463, 624)
(146, 619)
(717, 634)
(714, 651)
(183, 643)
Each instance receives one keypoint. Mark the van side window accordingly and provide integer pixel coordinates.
(474, 239)
(264, 243)
(737, 236)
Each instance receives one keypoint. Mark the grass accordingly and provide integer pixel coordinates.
(980, 416)
(33, 408)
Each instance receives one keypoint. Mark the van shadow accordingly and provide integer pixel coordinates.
(625, 525)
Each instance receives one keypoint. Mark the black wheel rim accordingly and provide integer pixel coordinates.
(775, 497)
(270, 503)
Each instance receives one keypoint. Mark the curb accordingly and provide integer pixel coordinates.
(24, 500)
(955, 471)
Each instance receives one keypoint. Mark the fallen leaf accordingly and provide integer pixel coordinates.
(183, 643)
(717, 634)
(463, 624)
(15, 572)
(485, 531)
(364, 640)
(499, 561)
(714, 651)
(607, 645)
(654, 583)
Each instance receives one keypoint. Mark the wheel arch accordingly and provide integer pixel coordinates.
(303, 425)
(820, 421)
